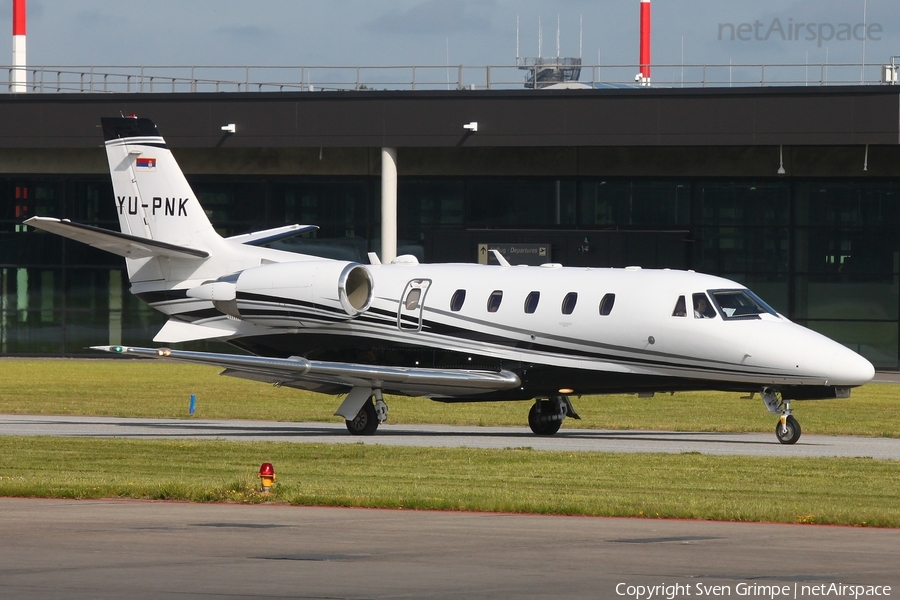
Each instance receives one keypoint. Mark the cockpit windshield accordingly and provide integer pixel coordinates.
(740, 304)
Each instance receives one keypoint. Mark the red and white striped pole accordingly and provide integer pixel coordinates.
(19, 75)
(645, 42)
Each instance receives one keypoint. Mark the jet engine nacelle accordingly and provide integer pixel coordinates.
(286, 294)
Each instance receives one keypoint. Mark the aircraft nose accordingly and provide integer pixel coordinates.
(849, 368)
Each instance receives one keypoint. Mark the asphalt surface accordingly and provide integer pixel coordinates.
(569, 440)
(143, 550)
(887, 377)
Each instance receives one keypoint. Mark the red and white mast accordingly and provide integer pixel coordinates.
(19, 75)
(644, 75)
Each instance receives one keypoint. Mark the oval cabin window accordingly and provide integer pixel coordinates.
(568, 303)
(494, 300)
(606, 305)
(531, 302)
(456, 302)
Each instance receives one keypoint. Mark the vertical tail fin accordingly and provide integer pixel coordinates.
(153, 198)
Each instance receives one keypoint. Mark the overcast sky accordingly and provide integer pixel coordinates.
(425, 32)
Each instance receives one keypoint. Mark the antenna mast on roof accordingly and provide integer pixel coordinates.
(643, 77)
(540, 39)
(517, 39)
(557, 36)
(19, 72)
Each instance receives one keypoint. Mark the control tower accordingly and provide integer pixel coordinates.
(543, 72)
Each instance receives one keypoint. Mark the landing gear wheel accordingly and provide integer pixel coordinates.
(790, 432)
(365, 423)
(547, 421)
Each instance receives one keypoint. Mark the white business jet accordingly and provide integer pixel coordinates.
(449, 332)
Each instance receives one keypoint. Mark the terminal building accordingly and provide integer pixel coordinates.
(791, 191)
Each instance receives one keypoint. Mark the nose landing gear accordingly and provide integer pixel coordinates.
(788, 429)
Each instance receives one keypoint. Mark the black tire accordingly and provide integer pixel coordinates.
(792, 434)
(366, 422)
(547, 422)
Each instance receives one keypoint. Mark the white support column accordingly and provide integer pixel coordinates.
(388, 204)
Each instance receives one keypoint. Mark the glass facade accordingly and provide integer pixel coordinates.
(826, 253)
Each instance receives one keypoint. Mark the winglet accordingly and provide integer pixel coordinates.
(500, 258)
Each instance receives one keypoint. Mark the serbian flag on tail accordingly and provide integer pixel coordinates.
(145, 164)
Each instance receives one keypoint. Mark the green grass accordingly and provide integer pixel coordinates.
(149, 388)
(692, 486)
(860, 492)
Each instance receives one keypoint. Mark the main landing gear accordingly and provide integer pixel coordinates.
(788, 429)
(546, 416)
(369, 417)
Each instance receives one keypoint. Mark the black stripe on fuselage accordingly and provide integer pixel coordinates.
(307, 344)
(606, 352)
(538, 380)
(477, 330)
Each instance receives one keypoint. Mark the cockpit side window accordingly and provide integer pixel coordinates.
(680, 308)
(702, 307)
(740, 304)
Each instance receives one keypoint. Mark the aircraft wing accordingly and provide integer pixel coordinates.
(335, 377)
(122, 244)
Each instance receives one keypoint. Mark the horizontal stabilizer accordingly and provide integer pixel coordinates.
(261, 238)
(175, 331)
(287, 371)
(122, 244)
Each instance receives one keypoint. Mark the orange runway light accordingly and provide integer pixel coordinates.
(266, 476)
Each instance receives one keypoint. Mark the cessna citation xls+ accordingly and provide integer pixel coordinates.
(450, 332)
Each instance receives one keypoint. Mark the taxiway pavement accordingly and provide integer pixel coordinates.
(568, 440)
(143, 550)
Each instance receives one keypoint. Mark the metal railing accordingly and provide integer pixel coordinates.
(253, 78)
